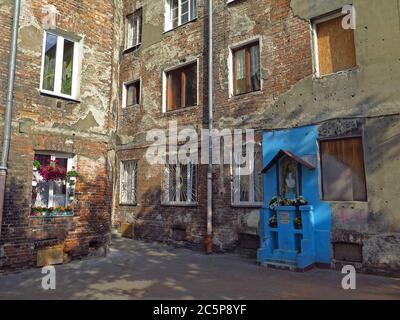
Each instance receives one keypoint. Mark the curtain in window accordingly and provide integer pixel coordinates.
(193, 9)
(128, 182)
(255, 73)
(50, 62)
(240, 62)
(68, 63)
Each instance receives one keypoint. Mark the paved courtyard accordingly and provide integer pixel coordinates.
(137, 270)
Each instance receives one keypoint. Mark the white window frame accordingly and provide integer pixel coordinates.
(314, 23)
(164, 80)
(139, 23)
(193, 170)
(75, 88)
(124, 176)
(168, 14)
(71, 163)
(235, 185)
(231, 49)
(125, 92)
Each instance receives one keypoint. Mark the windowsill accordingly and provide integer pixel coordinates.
(170, 112)
(53, 214)
(182, 204)
(131, 49)
(247, 205)
(128, 204)
(132, 107)
(243, 95)
(181, 25)
(347, 202)
(58, 96)
(345, 71)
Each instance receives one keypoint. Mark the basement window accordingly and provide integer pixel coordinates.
(128, 182)
(131, 93)
(180, 184)
(246, 73)
(179, 12)
(60, 66)
(181, 87)
(334, 47)
(247, 183)
(342, 170)
(53, 196)
(134, 29)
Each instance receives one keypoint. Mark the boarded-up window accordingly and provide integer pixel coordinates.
(335, 46)
(182, 87)
(246, 69)
(342, 165)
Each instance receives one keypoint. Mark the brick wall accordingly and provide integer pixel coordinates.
(43, 123)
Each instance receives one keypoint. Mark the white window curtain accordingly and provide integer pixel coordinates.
(179, 12)
(248, 188)
(240, 65)
(128, 182)
(180, 183)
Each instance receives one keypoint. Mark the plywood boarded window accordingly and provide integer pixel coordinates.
(182, 87)
(335, 48)
(342, 166)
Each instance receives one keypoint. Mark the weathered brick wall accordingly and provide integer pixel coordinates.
(284, 39)
(42, 123)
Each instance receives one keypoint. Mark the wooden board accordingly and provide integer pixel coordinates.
(336, 48)
(50, 256)
(127, 230)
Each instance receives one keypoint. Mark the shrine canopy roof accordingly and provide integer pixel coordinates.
(289, 154)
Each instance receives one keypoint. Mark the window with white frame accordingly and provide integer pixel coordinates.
(128, 182)
(181, 87)
(180, 184)
(247, 185)
(179, 12)
(53, 192)
(131, 93)
(60, 66)
(246, 68)
(134, 29)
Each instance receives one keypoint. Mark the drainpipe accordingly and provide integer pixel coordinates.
(9, 106)
(209, 236)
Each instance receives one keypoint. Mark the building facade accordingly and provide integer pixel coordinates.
(315, 80)
(62, 117)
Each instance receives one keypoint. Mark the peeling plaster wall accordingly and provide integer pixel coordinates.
(159, 51)
(43, 123)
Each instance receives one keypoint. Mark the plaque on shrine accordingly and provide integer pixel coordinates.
(284, 218)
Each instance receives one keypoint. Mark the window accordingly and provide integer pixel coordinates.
(334, 46)
(248, 188)
(342, 168)
(246, 69)
(128, 184)
(179, 12)
(131, 93)
(134, 29)
(60, 66)
(180, 184)
(51, 193)
(181, 87)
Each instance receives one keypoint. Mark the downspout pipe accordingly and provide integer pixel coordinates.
(9, 105)
(209, 236)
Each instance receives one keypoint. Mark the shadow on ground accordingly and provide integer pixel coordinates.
(138, 270)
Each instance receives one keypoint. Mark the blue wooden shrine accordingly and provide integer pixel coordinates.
(296, 236)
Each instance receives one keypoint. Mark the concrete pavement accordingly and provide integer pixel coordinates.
(137, 270)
